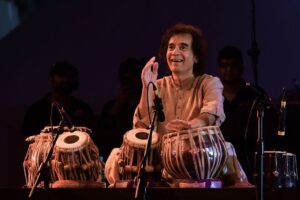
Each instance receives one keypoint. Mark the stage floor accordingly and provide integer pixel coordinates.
(152, 194)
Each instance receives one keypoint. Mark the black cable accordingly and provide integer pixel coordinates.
(51, 117)
(148, 106)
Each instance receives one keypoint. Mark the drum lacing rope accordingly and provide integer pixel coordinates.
(194, 154)
(181, 160)
(216, 165)
(203, 155)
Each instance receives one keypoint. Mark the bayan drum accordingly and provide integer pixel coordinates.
(195, 154)
(76, 157)
(132, 151)
(280, 169)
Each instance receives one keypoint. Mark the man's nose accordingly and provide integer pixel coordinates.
(176, 50)
(228, 67)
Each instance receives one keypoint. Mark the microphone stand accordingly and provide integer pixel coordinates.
(263, 103)
(260, 151)
(141, 187)
(42, 173)
(254, 51)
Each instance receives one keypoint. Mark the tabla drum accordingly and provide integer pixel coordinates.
(132, 151)
(280, 169)
(194, 154)
(35, 156)
(76, 157)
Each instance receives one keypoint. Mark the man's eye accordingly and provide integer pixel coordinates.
(183, 47)
(171, 47)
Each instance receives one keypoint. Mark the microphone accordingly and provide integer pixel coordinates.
(64, 116)
(158, 105)
(262, 94)
(282, 115)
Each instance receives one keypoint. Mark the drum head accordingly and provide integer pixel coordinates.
(70, 141)
(138, 138)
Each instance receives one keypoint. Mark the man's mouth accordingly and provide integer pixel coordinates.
(176, 60)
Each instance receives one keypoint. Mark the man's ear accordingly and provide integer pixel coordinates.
(195, 59)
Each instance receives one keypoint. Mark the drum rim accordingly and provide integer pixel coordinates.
(275, 151)
(78, 145)
(193, 131)
(129, 142)
(46, 129)
(43, 136)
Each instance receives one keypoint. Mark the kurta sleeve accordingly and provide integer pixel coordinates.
(213, 98)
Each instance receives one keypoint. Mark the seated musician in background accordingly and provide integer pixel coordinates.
(63, 78)
(190, 98)
(238, 99)
(116, 116)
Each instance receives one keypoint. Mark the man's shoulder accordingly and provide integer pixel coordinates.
(44, 101)
(81, 104)
(207, 79)
(166, 80)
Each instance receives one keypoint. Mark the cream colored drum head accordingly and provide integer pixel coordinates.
(138, 138)
(72, 140)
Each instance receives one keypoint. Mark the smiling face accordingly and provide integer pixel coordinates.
(180, 56)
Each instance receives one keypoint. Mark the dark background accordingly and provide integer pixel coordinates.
(97, 35)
